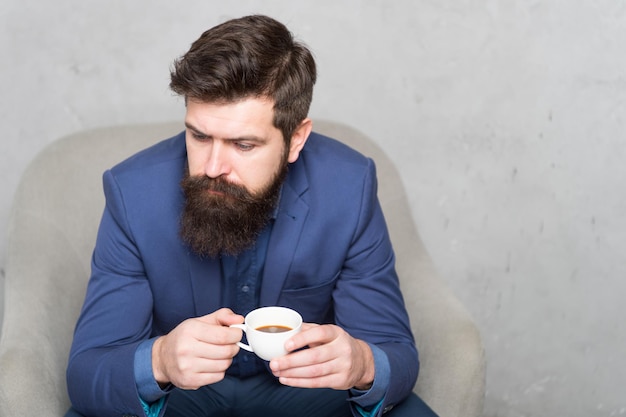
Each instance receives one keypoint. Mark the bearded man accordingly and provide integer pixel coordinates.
(245, 208)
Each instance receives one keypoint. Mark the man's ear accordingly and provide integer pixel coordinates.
(298, 139)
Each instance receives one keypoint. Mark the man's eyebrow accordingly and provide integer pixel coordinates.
(247, 138)
(195, 129)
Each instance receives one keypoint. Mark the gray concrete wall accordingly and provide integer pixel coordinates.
(506, 119)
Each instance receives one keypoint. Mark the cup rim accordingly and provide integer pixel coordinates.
(251, 316)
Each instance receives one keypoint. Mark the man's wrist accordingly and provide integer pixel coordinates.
(148, 388)
(369, 370)
(159, 376)
(374, 396)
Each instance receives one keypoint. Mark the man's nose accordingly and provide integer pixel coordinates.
(217, 164)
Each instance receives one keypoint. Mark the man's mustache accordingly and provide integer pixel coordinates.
(199, 183)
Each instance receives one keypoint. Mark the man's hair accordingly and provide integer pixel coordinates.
(253, 56)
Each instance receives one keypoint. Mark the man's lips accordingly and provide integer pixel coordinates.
(214, 192)
(221, 194)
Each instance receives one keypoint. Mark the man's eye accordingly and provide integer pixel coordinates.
(198, 136)
(244, 146)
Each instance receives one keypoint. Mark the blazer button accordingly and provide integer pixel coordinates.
(387, 409)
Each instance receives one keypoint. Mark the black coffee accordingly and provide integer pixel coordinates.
(273, 329)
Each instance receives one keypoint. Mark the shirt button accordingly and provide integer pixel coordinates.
(245, 288)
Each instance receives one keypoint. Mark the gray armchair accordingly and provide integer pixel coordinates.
(52, 231)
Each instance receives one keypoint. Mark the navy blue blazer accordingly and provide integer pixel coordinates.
(329, 257)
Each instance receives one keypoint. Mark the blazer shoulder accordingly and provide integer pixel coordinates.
(327, 149)
(328, 167)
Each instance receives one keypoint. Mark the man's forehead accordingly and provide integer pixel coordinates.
(250, 117)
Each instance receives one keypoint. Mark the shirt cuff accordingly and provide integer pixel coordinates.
(149, 390)
(370, 400)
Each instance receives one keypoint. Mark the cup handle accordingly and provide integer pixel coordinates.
(240, 344)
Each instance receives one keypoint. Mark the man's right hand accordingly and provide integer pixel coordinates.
(198, 351)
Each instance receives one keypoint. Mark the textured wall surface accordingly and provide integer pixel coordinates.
(506, 119)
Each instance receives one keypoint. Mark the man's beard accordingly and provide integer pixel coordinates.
(228, 222)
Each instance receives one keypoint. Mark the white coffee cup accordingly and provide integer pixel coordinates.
(267, 329)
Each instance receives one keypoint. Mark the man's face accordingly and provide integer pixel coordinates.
(236, 142)
(237, 161)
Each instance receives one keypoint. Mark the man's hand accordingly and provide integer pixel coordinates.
(334, 360)
(198, 351)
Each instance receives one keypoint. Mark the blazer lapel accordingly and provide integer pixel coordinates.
(284, 240)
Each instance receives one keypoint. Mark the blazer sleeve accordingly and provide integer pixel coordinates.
(100, 373)
(368, 300)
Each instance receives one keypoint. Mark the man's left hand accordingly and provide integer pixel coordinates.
(334, 359)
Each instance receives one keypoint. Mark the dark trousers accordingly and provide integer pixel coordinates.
(262, 395)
